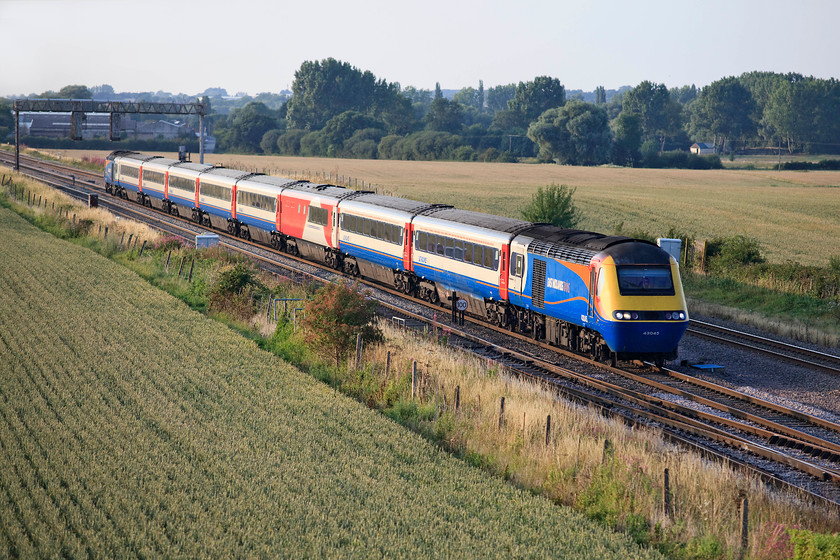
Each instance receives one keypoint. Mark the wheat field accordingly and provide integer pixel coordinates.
(793, 214)
(131, 426)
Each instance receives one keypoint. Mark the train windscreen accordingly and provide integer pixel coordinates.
(634, 280)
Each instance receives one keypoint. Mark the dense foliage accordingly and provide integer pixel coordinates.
(337, 110)
(553, 205)
(336, 316)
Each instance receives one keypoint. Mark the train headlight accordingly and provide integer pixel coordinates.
(682, 316)
(618, 315)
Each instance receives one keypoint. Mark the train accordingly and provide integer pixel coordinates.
(612, 297)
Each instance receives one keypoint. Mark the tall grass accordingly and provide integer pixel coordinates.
(621, 487)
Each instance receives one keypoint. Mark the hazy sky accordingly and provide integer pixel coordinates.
(186, 46)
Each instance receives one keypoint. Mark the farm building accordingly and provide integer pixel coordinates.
(702, 149)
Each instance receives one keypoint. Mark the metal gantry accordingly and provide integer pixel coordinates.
(78, 107)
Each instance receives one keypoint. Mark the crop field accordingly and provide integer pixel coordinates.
(131, 426)
(793, 214)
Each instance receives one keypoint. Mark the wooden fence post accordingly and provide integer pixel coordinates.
(192, 263)
(547, 430)
(169, 254)
(414, 379)
(502, 413)
(388, 364)
(457, 399)
(744, 528)
(607, 450)
(358, 349)
(666, 493)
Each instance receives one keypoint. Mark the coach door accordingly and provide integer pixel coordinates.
(593, 277)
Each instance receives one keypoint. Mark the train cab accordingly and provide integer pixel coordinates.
(636, 301)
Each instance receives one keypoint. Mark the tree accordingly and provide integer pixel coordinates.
(600, 95)
(553, 205)
(104, 91)
(534, 98)
(725, 108)
(627, 131)
(804, 111)
(268, 144)
(659, 115)
(480, 96)
(245, 127)
(337, 314)
(75, 92)
(7, 119)
(577, 134)
(444, 116)
(468, 97)
(322, 90)
(341, 127)
(498, 97)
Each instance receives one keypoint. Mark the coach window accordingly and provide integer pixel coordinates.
(458, 254)
(449, 247)
(468, 252)
(517, 265)
(600, 285)
(490, 258)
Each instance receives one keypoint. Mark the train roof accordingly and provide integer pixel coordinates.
(580, 246)
(326, 190)
(225, 172)
(478, 219)
(271, 180)
(190, 166)
(133, 156)
(162, 162)
(394, 203)
(579, 238)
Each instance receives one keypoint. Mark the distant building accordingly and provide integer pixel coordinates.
(702, 149)
(98, 125)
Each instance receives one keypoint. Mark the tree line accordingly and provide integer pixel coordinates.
(337, 110)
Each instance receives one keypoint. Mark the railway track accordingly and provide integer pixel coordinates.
(782, 445)
(777, 349)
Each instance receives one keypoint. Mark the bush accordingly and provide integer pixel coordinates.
(233, 290)
(553, 205)
(337, 314)
(727, 253)
(815, 546)
(679, 159)
(822, 165)
(288, 143)
(464, 153)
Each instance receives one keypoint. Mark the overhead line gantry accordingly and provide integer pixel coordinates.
(79, 107)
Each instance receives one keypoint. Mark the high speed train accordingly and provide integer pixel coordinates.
(613, 297)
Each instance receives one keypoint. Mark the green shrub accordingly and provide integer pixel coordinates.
(725, 253)
(815, 546)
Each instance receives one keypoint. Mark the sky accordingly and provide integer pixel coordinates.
(255, 46)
